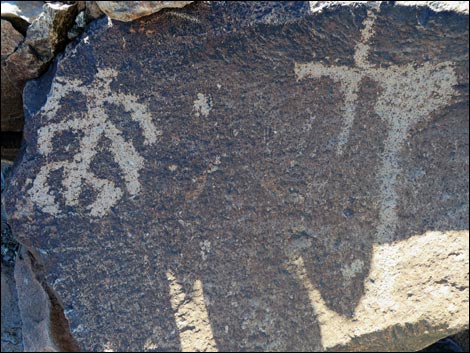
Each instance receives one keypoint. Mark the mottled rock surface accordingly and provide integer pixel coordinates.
(10, 96)
(48, 33)
(132, 10)
(21, 13)
(254, 176)
(44, 326)
(11, 322)
(9, 246)
(27, 57)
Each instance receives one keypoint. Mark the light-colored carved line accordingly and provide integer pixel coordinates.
(93, 126)
(409, 95)
(361, 53)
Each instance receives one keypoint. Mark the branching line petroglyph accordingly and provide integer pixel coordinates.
(410, 93)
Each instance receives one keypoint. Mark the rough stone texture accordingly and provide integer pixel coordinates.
(35, 307)
(132, 10)
(261, 176)
(45, 37)
(88, 12)
(462, 339)
(92, 10)
(48, 34)
(10, 38)
(44, 326)
(10, 104)
(11, 322)
(21, 13)
(9, 246)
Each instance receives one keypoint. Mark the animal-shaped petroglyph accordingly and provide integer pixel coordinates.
(93, 124)
(410, 93)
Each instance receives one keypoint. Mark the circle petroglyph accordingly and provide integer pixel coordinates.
(94, 124)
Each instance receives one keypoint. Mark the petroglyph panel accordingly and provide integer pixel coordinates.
(254, 176)
(410, 93)
(93, 123)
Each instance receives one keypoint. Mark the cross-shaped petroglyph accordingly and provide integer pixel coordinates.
(93, 124)
(410, 93)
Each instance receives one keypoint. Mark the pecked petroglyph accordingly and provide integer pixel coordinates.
(202, 105)
(247, 230)
(410, 93)
(95, 123)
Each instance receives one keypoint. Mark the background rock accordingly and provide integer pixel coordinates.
(34, 307)
(12, 340)
(462, 339)
(11, 38)
(27, 58)
(9, 246)
(48, 33)
(12, 110)
(260, 176)
(131, 10)
(21, 13)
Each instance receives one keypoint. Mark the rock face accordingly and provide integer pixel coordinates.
(254, 176)
(21, 13)
(131, 10)
(11, 96)
(11, 332)
(11, 322)
(27, 57)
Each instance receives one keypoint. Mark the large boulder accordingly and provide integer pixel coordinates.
(253, 176)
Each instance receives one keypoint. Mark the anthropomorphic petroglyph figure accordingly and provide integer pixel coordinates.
(410, 93)
(93, 124)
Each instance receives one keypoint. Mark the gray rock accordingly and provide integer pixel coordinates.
(92, 10)
(10, 91)
(89, 11)
(9, 246)
(132, 10)
(48, 33)
(11, 333)
(254, 176)
(44, 327)
(12, 340)
(27, 59)
(21, 13)
(11, 38)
